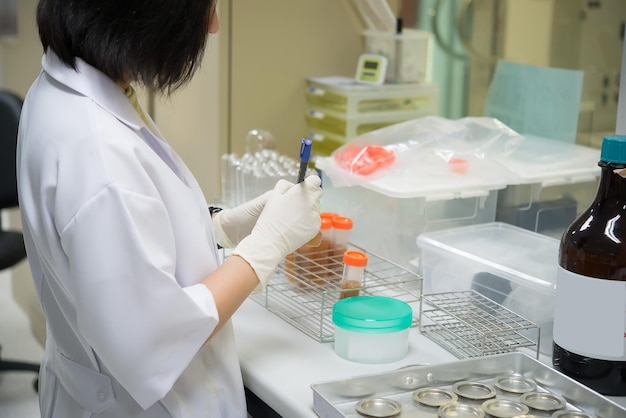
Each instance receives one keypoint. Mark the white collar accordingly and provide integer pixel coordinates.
(94, 84)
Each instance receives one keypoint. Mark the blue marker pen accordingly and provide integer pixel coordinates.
(305, 156)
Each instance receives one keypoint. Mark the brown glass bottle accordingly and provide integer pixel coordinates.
(594, 247)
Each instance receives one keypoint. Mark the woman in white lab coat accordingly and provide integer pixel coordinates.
(122, 246)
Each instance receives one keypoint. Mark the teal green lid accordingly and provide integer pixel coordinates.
(614, 149)
(372, 314)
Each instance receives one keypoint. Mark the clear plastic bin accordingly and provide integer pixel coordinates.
(512, 266)
(343, 94)
(408, 53)
(388, 216)
(556, 182)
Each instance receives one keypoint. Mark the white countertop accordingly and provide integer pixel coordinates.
(279, 362)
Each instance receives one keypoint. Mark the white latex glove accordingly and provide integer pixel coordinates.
(233, 225)
(291, 217)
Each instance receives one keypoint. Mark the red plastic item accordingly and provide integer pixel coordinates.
(458, 165)
(363, 159)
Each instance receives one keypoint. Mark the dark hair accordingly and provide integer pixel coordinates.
(158, 43)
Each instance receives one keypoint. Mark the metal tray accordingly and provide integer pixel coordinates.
(337, 399)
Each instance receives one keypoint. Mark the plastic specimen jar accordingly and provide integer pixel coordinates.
(372, 329)
(354, 263)
(342, 226)
(328, 215)
(309, 263)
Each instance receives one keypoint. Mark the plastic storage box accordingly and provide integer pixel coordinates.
(341, 124)
(340, 109)
(388, 214)
(556, 182)
(344, 94)
(408, 53)
(512, 266)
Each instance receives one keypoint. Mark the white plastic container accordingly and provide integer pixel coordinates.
(512, 266)
(408, 53)
(372, 329)
(556, 182)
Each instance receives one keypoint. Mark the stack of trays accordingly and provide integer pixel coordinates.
(339, 109)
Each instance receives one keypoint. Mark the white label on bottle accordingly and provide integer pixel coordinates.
(590, 315)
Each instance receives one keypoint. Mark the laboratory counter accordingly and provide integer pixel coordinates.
(279, 362)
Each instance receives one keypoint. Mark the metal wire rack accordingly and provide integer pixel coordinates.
(468, 324)
(306, 286)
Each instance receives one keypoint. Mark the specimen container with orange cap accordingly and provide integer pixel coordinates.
(309, 263)
(342, 226)
(354, 263)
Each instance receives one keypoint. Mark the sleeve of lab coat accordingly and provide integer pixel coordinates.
(137, 318)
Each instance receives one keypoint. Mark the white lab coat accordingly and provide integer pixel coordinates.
(118, 236)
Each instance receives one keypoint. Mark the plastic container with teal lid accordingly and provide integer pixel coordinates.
(372, 329)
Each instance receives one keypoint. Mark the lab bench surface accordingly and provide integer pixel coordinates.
(279, 363)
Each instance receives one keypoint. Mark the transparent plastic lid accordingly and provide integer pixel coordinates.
(540, 159)
(522, 256)
(372, 314)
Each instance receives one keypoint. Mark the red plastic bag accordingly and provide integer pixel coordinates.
(363, 159)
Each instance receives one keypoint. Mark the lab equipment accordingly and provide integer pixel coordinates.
(309, 264)
(512, 266)
(372, 329)
(258, 140)
(308, 307)
(554, 182)
(419, 192)
(340, 396)
(354, 263)
(247, 176)
(340, 108)
(409, 54)
(342, 226)
(590, 301)
(371, 69)
(343, 94)
(468, 324)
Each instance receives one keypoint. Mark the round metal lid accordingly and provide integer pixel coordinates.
(515, 384)
(378, 407)
(504, 408)
(474, 390)
(434, 396)
(460, 410)
(543, 401)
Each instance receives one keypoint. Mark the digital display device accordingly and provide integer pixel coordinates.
(371, 69)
